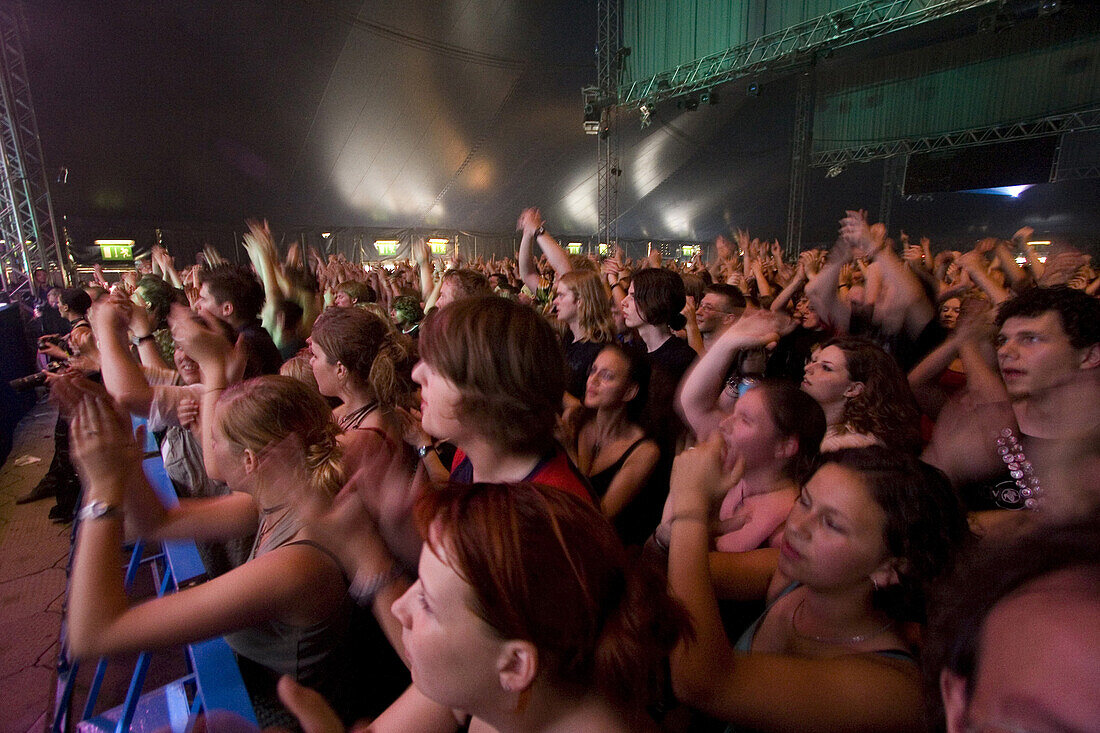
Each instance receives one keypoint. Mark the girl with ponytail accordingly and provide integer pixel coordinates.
(273, 441)
(361, 359)
(527, 615)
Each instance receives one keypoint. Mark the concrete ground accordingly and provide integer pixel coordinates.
(33, 555)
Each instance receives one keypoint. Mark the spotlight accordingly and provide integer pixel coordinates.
(593, 111)
(708, 96)
(753, 90)
(842, 22)
(834, 171)
(691, 103)
(647, 113)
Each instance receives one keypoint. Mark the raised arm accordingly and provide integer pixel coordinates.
(976, 266)
(793, 288)
(101, 621)
(702, 386)
(214, 355)
(528, 267)
(260, 246)
(774, 692)
(422, 254)
(558, 258)
(122, 376)
(167, 266)
(898, 299)
(823, 288)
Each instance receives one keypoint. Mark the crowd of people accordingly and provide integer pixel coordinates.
(565, 493)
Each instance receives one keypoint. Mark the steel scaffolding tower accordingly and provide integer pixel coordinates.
(28, 232)
(801, 139)
(608, 64)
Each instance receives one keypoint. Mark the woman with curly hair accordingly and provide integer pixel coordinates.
(865, 395)
(871, 530)
(583, 303)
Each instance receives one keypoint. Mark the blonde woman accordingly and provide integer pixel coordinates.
(285, 610)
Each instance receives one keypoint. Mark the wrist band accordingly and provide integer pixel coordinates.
(365, 587)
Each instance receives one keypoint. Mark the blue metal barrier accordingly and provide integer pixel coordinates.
(214, 681)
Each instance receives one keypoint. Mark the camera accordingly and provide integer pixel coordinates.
(29, 382)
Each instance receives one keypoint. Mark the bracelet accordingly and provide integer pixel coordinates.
(424, 450)
(364, 588)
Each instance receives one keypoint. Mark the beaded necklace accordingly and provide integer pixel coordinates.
(1024, 489)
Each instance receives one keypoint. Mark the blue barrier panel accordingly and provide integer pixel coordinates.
(215, 681)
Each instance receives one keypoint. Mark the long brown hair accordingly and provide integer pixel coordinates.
(593, 304)
(885, 407)
(376, 356)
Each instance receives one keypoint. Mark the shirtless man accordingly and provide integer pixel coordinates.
(1048, 356)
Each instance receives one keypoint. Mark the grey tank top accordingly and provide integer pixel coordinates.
(306, 653)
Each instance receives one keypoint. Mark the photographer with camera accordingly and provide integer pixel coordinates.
(75, 350)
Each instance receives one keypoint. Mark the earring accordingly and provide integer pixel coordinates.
(874, 583)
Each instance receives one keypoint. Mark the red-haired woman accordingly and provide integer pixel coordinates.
(527, 616)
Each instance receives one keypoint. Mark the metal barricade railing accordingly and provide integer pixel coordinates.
(213, 681)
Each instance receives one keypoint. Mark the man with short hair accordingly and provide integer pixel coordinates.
(1044, 450)
(232, 294)
(718, 309)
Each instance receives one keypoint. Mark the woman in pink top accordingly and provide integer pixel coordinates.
(774, 430)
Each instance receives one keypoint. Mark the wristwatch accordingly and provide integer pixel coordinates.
(98, 510)
(424, 450)
(139, 340)
(539, 232)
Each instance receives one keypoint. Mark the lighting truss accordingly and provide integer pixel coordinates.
(608, 66)
(863, 20)
(27, 225)
(1039, 127)
(801, 140)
